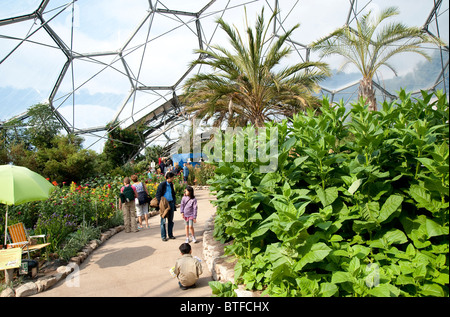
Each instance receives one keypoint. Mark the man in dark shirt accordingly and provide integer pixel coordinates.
(166, 189)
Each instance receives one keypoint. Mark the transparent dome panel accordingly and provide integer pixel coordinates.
(14, 8)
(30, 66)
(160, 52)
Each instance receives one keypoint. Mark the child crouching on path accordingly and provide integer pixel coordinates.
(188, 208)
(187, 268)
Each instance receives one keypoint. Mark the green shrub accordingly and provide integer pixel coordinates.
(200, 174)
(56, 227)
(115, 220)
(204, 173)
(75, 241)
(357, 207)
(220, 289)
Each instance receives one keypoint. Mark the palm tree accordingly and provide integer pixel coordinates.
(245, 87)
(368, 49)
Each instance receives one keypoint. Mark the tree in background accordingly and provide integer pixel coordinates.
(122, 144)
(65, 160)
(152, 153)
(372, 45)
(21, 139)
(248, 87)
(42, 126)
(38, 145)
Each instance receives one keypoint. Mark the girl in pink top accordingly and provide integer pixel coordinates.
(188, 210)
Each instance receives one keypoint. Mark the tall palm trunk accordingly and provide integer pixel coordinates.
(367, 92)
(258, 119)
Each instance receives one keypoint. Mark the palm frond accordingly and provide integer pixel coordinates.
(245, 78)
(371, 45)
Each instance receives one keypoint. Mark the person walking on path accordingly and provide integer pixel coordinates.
(128, 206)
(188, 209)
(142, 193)
(162, 166)
(185, 173)
(166, 189)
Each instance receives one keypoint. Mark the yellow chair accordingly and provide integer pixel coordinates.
(20, 239)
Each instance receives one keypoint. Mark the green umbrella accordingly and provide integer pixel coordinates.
(20, 185)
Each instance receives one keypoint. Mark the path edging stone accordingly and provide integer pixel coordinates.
(220, 265)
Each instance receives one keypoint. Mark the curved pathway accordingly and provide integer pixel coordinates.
(138, 264)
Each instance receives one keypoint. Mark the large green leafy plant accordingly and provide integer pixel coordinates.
(357, 207)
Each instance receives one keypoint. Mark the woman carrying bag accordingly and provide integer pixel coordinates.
(142, 201)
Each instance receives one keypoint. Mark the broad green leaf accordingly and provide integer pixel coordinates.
(307, 285)
(360, 226)
(353, 266)
(243, 205)
(428, 163)
(432, 290)
(410, 251)
(440, 261)
(277, 254)
(424, 199)
(370, 211)
(301, 193)
(420, 272)
(389, 207)
(339, 253)
(421, 229)
(286, 190)
(224, 170)
(442, 278)
(326, 212)
(280, 206)
(416, 230)
(265, 225)
(405, 280)
(393, 236)
(299, 160)
(328, 289)
(301, 208)
(327, 196)
(384, 290)
(317, 253)
(324, 225)
(420, 195)
(406, 267)
(255, 216)
(216, 287)
(270, 179)
(238, 269)
(335, 238)
(341, 277)
(434, 229)
(360, 251)
(289, 143)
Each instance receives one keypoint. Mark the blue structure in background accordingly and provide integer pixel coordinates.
(194, 158)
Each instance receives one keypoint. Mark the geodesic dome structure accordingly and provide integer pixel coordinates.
(99, 61)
